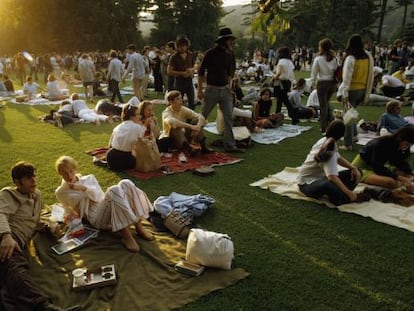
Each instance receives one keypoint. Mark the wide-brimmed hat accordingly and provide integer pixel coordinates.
(225, 33)
(182, 39)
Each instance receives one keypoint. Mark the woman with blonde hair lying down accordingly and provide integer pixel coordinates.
(119, 207)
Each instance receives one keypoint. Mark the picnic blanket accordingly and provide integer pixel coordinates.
(36, 102)
(363, 138)
(173, 163)
(284, 183)
(267, 136)
(146, 280)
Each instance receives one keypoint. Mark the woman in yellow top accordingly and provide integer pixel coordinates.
(357, 79)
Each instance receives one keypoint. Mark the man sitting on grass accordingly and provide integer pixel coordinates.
(19, 216)
(178, 133)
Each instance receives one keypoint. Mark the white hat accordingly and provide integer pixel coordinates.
(377, 70)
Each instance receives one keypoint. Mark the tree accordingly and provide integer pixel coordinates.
(67, 25)
(198, 19)
(405, 4)
(305, 22)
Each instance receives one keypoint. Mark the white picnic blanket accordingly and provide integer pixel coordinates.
(267, 136)
(284, 183)
(36, 101)
(363, 138)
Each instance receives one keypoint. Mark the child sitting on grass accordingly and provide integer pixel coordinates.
(296, 111)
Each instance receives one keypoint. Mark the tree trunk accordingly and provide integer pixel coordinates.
(404, 19)
(381, 23)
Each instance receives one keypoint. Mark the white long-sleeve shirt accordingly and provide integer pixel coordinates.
(81, 201)
(78, 105)
(125, 135)
(322, 70)
(286, 68)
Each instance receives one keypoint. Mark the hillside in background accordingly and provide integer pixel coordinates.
(237, 15)
(234, 20)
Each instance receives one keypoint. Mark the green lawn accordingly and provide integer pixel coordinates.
(301, 256)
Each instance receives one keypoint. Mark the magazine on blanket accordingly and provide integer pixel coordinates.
(66, 243)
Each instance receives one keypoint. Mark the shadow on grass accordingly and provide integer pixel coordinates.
(4, 134)
(75, 131)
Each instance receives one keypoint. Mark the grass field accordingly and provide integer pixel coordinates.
(301, 256)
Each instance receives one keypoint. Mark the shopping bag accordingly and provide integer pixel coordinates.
(147, 155)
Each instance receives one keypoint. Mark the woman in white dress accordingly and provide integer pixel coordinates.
(119, 207)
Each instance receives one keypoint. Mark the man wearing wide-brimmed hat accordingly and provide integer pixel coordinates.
(181, 67)
(217, 68)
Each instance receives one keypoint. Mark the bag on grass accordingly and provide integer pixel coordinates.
(147, 155)
(178, 225)
(209, 249)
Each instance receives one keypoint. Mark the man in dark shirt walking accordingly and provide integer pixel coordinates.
(219, 64)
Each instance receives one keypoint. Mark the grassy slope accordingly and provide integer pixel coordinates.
(301, 256)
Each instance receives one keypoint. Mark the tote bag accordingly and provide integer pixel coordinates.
(147, 155)
(210, 249)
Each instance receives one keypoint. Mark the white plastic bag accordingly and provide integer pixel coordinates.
(209, 249)
(351, 116)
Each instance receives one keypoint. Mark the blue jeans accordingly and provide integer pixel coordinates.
(355, 98)
(223, 97)
(325, 187)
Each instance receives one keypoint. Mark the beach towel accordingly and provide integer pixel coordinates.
(284, 183)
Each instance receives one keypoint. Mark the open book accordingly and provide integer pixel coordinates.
(67, 243)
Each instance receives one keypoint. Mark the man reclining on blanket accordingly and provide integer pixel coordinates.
(319, 176)
(182, 127)
(19, 216)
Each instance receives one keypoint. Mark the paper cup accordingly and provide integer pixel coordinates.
(79, 276)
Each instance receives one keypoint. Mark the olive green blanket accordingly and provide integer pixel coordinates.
(146, 280)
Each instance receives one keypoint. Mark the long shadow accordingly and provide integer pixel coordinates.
(75, 130)
(4, 134)
(22, 108)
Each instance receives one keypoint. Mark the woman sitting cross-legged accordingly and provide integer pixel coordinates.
(384, 160)
(121, 155)
(319, 175)
(261, 112)
(119, 207)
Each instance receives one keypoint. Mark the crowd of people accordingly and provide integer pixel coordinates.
(382, 162)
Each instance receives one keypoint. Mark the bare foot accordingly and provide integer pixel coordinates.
(129, 241)
(130, 244)
(145, 234)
